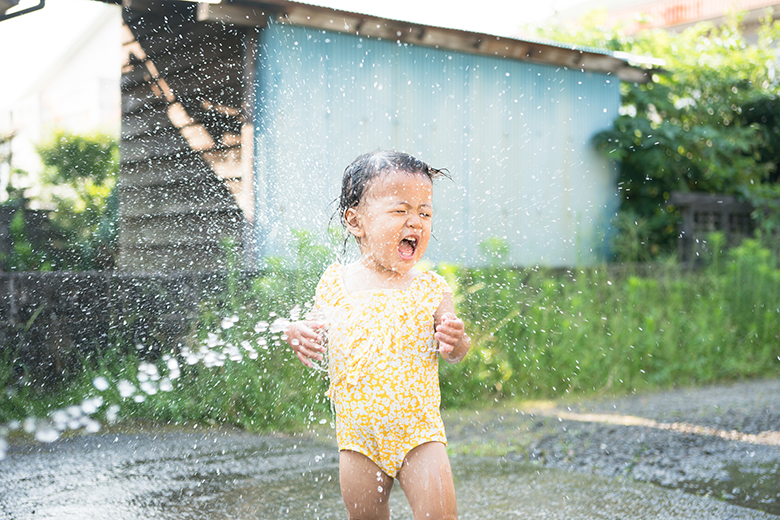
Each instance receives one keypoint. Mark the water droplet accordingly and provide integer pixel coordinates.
(126, 388)
(279, 325)
(261, 326)
(91, 425)
(112, 413)
(149, 387)
(29, 425)
(226, 323)
(47, 434)
(90, 406)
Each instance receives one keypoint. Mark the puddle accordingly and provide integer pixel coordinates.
(756, 486)
(220, 475)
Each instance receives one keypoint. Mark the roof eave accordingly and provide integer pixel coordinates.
(326, 18)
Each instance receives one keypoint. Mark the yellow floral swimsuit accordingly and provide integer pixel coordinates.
(384, 380)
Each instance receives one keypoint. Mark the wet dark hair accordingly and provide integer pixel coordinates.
(369, 166)
(365, 169)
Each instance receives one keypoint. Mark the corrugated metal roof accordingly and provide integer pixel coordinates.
(583, 48)
(551, 53)
(318, 17)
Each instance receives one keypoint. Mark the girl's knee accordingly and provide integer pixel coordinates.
(365, 488)
(367, 507)
(366, 501)
(426, 478)
(431, 507)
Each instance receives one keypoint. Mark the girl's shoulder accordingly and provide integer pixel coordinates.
(428, 289)
(331, 274)
(430, 280)
(329, 287)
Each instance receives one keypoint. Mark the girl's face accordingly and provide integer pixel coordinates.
(393, 221)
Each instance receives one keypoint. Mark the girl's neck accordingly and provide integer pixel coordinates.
(364, 275)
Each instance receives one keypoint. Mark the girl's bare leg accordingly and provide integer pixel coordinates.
(364, 487)
(426, 478)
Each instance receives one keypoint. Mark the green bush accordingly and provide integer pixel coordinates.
(81, 172)
(707, 122)
(540, 334)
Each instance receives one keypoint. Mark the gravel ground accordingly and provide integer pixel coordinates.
(722, 441)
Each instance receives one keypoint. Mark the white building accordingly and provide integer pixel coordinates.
(60, 78)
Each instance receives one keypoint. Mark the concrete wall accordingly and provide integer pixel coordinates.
(53, 321)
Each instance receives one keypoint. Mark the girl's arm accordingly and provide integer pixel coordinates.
(304, 340)
(454, 343)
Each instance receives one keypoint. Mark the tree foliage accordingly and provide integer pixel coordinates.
(84, 168)
(708, 122)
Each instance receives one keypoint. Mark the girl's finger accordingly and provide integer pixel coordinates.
(447, 336)
(314, 345)
(312, 342)
(453, 324)
(311, 351)
(445, 348)
(304, 359)
(310, 334)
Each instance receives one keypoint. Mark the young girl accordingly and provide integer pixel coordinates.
(387, 323)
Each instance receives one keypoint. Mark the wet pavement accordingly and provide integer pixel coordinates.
(717, 441)
(536, 462)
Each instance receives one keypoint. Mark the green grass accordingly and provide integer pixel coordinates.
(536, 334)
(543, 334)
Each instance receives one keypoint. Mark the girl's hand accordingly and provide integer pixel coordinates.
(305, 341)
(452, 338)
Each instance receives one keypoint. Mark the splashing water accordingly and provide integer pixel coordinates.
(213, 351)
(73, 417)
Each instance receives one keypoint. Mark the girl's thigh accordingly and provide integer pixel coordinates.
(364, 487)
(426, 478)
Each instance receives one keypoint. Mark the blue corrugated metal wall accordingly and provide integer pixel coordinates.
(515, 137)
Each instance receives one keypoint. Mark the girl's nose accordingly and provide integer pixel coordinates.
(414, 221)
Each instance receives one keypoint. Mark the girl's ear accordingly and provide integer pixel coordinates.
(352, 220)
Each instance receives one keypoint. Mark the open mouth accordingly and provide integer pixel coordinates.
(407, 247)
